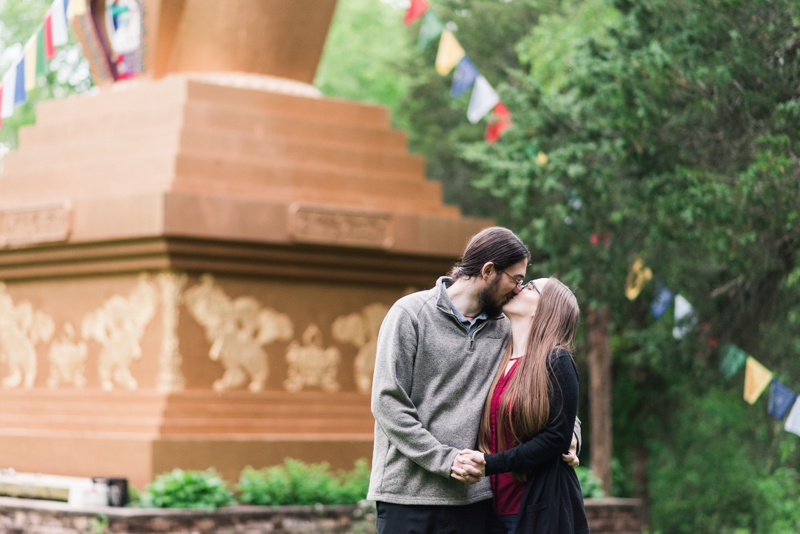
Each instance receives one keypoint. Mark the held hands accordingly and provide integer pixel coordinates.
(468, 467)
(571, 458)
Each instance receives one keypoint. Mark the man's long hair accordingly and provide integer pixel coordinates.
(497, 245)
(525, 404)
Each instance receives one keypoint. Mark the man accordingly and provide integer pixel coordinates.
(438, 351)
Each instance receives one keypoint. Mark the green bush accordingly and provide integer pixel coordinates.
(298, 483)
(591, 486)
(199, 490)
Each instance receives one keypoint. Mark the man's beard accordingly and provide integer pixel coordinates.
(491, 303)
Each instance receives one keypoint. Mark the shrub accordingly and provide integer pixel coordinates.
(591, 487)
(200, 490)
(298, 483)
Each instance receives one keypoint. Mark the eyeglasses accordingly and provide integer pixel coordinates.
(516, 280)
(531, 284)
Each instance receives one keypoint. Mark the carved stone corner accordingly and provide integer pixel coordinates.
(336, 226)
(30, 225)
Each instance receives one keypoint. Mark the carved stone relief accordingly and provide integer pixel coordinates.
(118, 325)
(237, 330)
(310, 365)
(316, 224)
(37, 224)
(67, 360)
(21, 329)
(361, 330)
(170, 377)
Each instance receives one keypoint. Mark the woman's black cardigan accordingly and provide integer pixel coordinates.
(552, 503)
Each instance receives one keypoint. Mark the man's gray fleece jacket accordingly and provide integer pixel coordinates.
(430, 384)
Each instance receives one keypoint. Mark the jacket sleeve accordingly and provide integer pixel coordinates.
(556, 437)
(392, 406)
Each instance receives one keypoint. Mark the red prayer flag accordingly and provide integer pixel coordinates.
(49, 49)
(415, 11)
(496, 127)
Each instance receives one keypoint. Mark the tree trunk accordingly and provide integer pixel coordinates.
(600, 393)
(640, 481)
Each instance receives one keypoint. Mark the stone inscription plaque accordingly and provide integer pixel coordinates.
(314, 224)
(35, 224)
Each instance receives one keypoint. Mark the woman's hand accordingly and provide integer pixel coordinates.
(469, 466)
(571, 458)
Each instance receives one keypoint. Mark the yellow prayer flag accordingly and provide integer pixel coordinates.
(542, 158)
(30, 63)
(756, 379)
(637, 277)
(449, 54)
(75, 8)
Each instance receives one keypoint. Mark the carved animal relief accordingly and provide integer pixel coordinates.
(170, 377)
(361, 330)
(21, 329)
(310, 365)
(67, 360)
(237, 330)
(118, 326)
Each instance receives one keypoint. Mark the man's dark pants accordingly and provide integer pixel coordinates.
(434, 519)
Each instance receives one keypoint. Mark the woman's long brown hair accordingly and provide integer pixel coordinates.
(525, 405)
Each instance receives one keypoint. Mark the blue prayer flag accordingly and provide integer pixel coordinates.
(662, 302)
(781, 399)
(464, 77)
(20, 94)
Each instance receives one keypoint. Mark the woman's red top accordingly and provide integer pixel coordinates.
(507, 491)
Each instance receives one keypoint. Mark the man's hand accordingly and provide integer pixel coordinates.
(468, 467)
(572, 456)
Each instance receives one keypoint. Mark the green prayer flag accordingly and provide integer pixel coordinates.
(732, 361)
(41, 62)
(431, 28)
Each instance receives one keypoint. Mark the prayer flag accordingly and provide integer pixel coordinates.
(415, 11)
(732, 361)
(661, 304)
(58, 11)
(464, 77)
(30, 64)
(756, 379)
(484, 98)
(1, 99)
(9, 87)
(541, 158)
(683, 311)
(781, 399)
(49, 49)
(41, 55)
(75, 8)
(449, 54)
(432, 27)
(793, 421)
(496, 128)
(637, 277)
(20, 94)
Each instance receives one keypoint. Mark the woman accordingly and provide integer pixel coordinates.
(529, 415)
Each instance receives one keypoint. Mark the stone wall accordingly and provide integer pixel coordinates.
(17, 516)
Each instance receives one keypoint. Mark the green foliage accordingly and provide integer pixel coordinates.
(590, 484)
(297, 483)
(199, 490)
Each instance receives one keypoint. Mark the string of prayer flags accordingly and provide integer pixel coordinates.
(415, 11)
(732, 361)
(781, 399)
(792, 423)
(662, 302)
(756, 379)
(449, 54)
(683, 311)
(464, 77)
(501, 123)
(484, 98)
(638, 276)
(432, 27)
(58, 21)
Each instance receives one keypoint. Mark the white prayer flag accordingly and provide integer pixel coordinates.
(484, 98)
(59, 22)
(682, 311)
(793, 421)
(9, 89)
